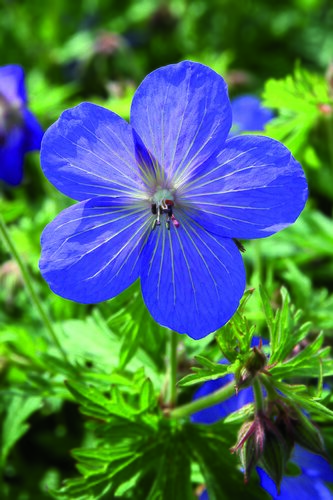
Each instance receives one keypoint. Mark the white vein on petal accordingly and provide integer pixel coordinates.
(128, 211)
(209, 172)
(202, 258)
(94, 154)
(142, 170)
(230, 174)
(179, 130)
(161, 265)
(193, 223)
(162, 135)
(154, 253)
(139, 230)
(113, 151)
(100, 244)
(242, 190)
(188, 269)
(172, 268)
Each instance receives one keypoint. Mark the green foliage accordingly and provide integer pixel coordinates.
(114, 364)
(299, 100)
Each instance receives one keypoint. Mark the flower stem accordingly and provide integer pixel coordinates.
(212, 399)
(172, 388)
(259, 400)
(271, 392)
(329, 128)
(28, 283)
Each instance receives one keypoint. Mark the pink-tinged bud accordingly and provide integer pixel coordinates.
(325, 109)
(249, 454)
(261, 443)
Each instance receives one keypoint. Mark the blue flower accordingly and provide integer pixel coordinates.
(311, 471)
(248, 114)
(162, 198)
(309, 479)
(19, 130)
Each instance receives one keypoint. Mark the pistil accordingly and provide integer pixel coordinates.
(163, 206)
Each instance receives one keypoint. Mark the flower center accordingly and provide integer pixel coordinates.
(10, 116)
(162, 203)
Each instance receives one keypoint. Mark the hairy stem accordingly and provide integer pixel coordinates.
(29, 286)
(172, 358)
(259, 400)
(212, 399)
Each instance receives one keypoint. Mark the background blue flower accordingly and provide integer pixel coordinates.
(19, 130)
(248, 114)
(162, 198)
(311, 471)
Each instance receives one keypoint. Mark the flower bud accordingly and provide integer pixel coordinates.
(261, 442)
(276, 454)
(254, 364)
(292, 423)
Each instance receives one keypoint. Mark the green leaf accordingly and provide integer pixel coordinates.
(298, 99)
(14, 426)
(147, 396)
(128, 315)
(285, 327)
(304, 400)
(210, 448)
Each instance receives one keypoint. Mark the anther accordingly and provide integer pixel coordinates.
(175, 221)
(164, 207)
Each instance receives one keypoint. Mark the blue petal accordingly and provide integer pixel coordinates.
(313, 465)
(91, 251)
(90, 151)
(12, 157)
(182, 113)
(191, 281)
(306, 487)
(249, 114)
(33, 132)
(12, 83)
(204, 495)
(254, 189)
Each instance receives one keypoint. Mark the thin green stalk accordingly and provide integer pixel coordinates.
(329, 128)
(172, 387)
(272, 394)
(28, 283)
(212, 399)
(259, 400)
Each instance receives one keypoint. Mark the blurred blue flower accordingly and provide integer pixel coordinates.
(308, 482)
(248, 114)
(311, 471)
(162, 198)
(19, 130)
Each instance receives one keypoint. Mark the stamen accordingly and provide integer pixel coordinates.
(164, 206)
(175, 221)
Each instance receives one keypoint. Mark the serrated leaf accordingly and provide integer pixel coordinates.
(128, 315)
(303, 399)
(14, 426)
